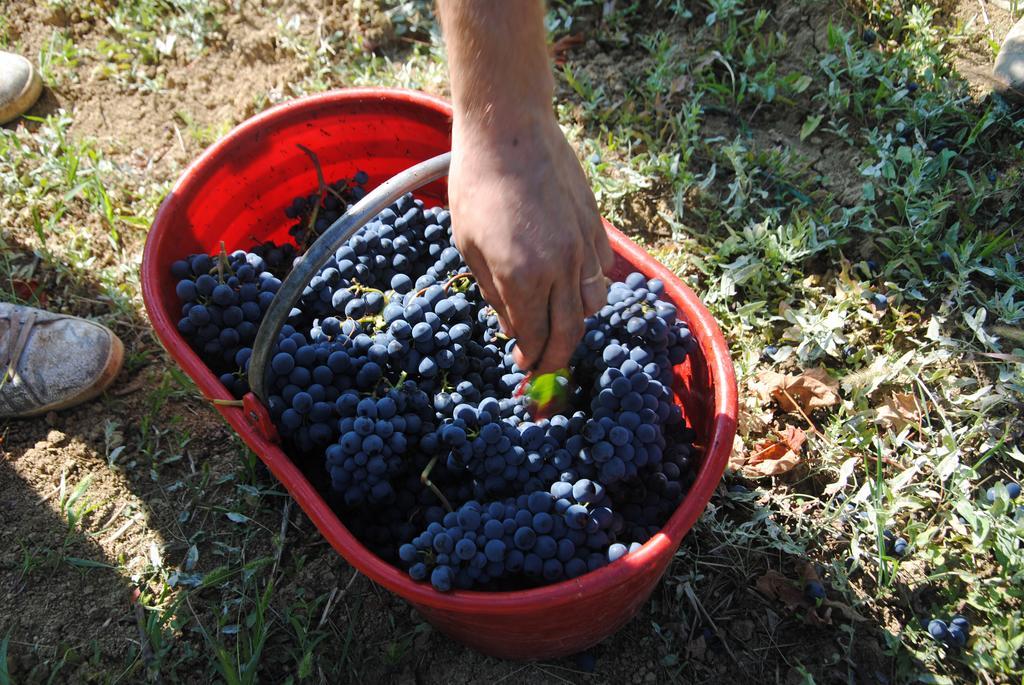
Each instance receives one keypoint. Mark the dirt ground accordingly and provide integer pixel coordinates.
(59, 603)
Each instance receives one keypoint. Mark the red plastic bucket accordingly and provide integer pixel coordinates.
(236, 192)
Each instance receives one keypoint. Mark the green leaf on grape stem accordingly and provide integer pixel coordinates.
(548, 392)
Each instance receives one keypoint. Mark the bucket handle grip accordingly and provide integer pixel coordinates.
(336, 235)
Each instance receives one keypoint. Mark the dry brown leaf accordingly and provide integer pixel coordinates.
(775, 586)
(680, 84)
(846, 277)
(774, 456)
(752, 419)
(846, 610)
(29, 290)
(765, 383)
(812, 389)
(738, 456)
(772, 460)
(900, 410)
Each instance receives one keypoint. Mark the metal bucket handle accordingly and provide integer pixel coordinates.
(336, 235)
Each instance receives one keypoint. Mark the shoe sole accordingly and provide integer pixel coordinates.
(113, 367)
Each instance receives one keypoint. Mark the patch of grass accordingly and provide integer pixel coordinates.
(337, 56)
(929, 218)
(59, 58)
(142, 33)
(203, 135)
(61, 202)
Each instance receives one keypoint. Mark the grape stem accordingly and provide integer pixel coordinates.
(789, 397)
(310, 230)
(226, 403)
(385, 381)
(372, 319)
(222, 262)
(425, 479)
(358, 288)
(321, 192)
(456, 277)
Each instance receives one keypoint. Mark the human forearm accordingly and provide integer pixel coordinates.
(500, 72)
(523, 214)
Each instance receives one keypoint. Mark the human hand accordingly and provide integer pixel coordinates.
(525, 220)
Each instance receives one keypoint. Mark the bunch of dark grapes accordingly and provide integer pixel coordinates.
(315, 213)
(309, 378)
(223, 301)
(501, 453)
(376, 434)
(542, 536)
(403, 243)
(625, 434)
(623, 366)
(635, 325)
(394, 375)
(648, 501)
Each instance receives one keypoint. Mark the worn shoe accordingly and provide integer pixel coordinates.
(20, 86)
(52, 361)
(1009, 67)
